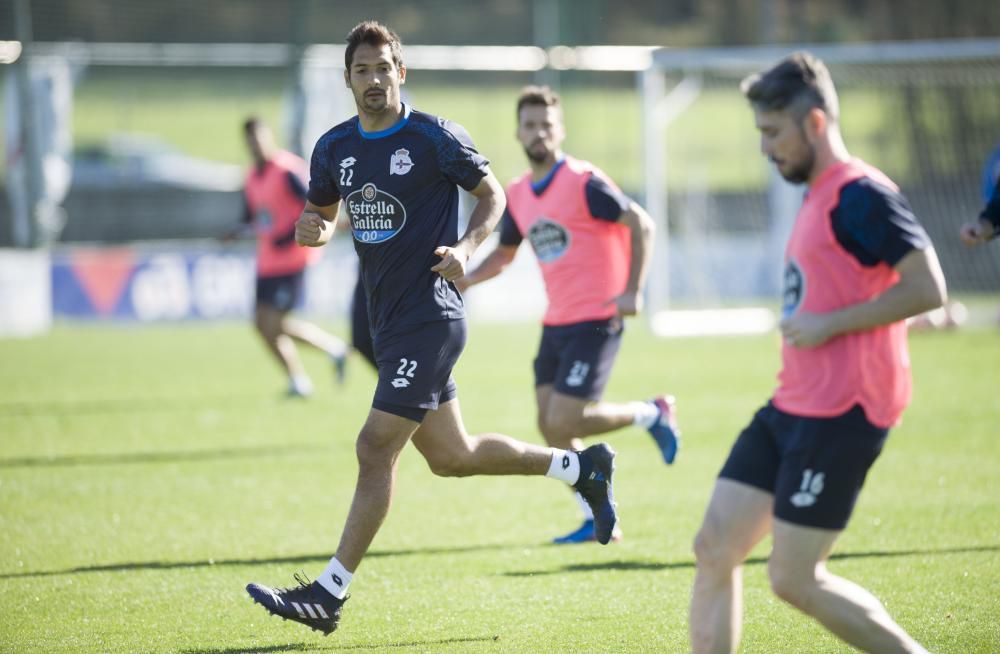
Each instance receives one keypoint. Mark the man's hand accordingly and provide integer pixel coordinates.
(975, 233)
(804, 329)
(628, 303)
(311, 230)
(452, 264)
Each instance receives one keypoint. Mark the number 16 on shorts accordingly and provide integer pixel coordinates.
(812, 485)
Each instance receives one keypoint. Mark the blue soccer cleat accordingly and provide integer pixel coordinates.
(597, 465)
(308, 603)
(665, 431)
(586, 533)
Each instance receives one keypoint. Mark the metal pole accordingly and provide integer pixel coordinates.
(652, 87)
(545, 23)
(29, 233)
(297, 40)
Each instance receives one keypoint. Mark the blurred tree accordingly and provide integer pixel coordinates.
(673, 22)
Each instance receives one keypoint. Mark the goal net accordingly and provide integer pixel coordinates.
(927, 114)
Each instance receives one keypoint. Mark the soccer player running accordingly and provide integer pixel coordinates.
(857, 264)
(398, 171)
(274, 195)
(593, 245)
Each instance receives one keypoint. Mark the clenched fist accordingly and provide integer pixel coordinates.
(312, 230)
(452, 264)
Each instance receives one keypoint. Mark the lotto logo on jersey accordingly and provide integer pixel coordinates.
(549, 239)
(376, 216)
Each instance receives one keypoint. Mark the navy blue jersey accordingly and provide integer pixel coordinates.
(876, 224)
(400, 191)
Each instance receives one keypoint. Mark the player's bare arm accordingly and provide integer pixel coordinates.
(494, 264)
(316, 225)
(484, 218)
(921, 287)
(642, 229)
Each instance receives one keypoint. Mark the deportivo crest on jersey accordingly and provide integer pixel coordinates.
(376, 216)
(400, 162)
(549, 239)
(794, 289)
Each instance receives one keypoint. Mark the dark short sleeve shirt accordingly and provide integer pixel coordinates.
(400, 193)
(875, 223)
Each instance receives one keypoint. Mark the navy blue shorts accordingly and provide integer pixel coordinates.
(814, 467)
(577, 359)
(414, 367)
(283, 292)
(361, 335)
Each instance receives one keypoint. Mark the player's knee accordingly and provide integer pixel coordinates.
(555, 435)
(454, 460)
(789, 584)
(449, 464)
(712, 552)
(266, 326)
(559, 429)
(373, 451)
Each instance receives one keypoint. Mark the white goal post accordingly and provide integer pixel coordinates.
(724, 216)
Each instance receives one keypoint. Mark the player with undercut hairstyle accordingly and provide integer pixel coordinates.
(857, 264)
(398, 171)
(593, 245)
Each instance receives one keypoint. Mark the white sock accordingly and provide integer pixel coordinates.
(301, 384)
(920, 649)
(588, 513)
(565, 465)
(645, 414)
(335, 578)
(339, 350)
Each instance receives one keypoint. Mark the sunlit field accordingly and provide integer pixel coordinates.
(148, 474)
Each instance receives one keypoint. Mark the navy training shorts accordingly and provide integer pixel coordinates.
(283, 292)
(814, 467)
(577, 358)
(414, 367)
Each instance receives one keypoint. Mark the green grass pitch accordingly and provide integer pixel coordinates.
(148, 474)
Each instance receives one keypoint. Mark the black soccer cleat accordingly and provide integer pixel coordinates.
(308, 603)
(597, 465)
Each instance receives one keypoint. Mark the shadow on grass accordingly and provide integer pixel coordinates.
(64, 408)
(286, 449)
(632, 566)
(290, 560)
(315, 647)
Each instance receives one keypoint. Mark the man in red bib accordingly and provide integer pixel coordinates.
(593, 245)
(275, 193)
(857, 265)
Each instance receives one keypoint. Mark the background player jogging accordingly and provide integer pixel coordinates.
(274, 194)
(857, 264)
(397, 171)
(593, 245)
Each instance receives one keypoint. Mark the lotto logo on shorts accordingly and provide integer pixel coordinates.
(812, 486)
(407, 369)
